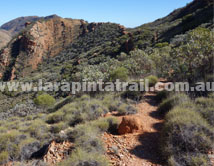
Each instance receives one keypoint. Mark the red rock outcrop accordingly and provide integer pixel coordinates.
(57, 152)
(130, 125)
(44, 38)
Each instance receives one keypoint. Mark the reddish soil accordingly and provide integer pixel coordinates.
(137, 149)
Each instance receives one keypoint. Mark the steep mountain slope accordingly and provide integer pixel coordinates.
(56, 49)
(196, 13)
(16, 25)
(67, 39)
(47, 37)
(5, 37)
(43, 38)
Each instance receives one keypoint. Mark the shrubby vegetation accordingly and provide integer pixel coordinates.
(162, 95)
(86, 138)
(81, 157)
(108, 53)
(187, 134)
(169, 103)
(87, 109)
(21, 137)
(152, 80)
(120, 73)
(194, 57)
(44, 100)
(166, 60)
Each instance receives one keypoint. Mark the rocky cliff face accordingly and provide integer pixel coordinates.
(13, 27)
(16, 25)
(5, 37)
(43, 38)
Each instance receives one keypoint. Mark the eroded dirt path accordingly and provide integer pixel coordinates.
(138, 149)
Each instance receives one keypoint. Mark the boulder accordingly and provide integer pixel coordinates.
(130, 125)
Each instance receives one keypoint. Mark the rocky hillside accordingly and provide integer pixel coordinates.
(18, 24)
(44, 39)
(5, 37)
(194, 14)
(65, 39)
(44, 128)
(15, 26)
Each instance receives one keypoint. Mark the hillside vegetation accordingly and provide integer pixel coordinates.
(178, 47)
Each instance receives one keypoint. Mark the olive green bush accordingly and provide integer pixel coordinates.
(81, 157)
(86, 138)
(171, 102)
(126, 109)
(185, 131)
(120, 73)
(44, 100)
(134, 91)
(162, 95)
(4, 156)
(152, 80)
(205, 106)
(189, 159)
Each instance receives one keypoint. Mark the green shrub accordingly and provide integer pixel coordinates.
(190, 159)
(125, 109)
(95, 109)
(185, 131)
(90, 142)
(120, 73)
(134, 93)
(55, 117)
(81, 130)
(188, 105)
(60, 104)
(152, 80)
(77, 118)
(162, 95)
(7, 138)
(56, 128)
(171, 102)
(102, 124)
(9, 142)
(106, 124)
(3, 129)
(80, 110)
(206, 107)
(86, 136)
(111, 102)
(160, 45)
(4, 157)
(113, 125)
(38, 129)
(44, 100)
(211, 95)
(208, 114)
(205, 102)
(13, 151)
(81, 157)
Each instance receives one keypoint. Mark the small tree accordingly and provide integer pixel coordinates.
(44, 100)
(195, 56)
(120, 73)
